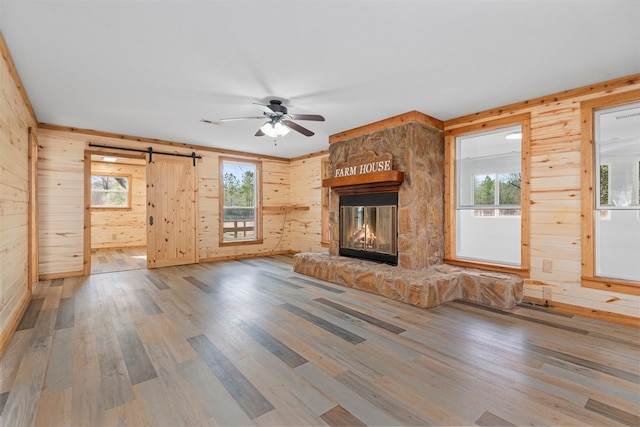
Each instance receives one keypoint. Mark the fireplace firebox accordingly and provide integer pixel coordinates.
(368, 227)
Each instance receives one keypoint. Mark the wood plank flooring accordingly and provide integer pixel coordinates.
(112, 260)
(249, 342)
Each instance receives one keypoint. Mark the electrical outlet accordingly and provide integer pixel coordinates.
(546, 293)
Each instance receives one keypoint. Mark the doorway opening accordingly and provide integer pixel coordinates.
(117, 190)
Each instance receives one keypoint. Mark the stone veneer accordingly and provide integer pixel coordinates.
(421, 278)
(418, 151)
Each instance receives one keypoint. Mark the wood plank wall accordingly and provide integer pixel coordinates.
(275, 194)
(306, 189)
(61, 186)
(555, 217)
(16, 117)
(121, 228)
(61, 205)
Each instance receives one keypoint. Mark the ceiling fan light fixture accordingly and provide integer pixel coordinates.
(274, 129)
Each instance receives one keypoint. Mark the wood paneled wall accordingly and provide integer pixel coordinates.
(16, 117)
(121, 228)
(306, 189)
(61, 205)
(275, 195)
(555, 217)
(61, 186)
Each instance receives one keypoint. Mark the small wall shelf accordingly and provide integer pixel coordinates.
(285, 208)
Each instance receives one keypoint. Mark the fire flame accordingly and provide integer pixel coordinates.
(364, 237)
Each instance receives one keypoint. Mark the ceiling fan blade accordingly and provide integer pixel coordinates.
(298, 128)
(240, 118)
(265, 108)
(314, 117)
(210, 122)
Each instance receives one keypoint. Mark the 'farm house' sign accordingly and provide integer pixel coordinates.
(360, 166)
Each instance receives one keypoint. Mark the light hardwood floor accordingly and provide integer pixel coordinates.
(112, 260)
(251, 343)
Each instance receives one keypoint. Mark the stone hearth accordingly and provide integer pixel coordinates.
(416, 144)
(425, 288)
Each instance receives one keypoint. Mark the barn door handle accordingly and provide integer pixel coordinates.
(151, 220)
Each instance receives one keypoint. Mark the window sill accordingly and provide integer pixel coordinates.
(241, 243)
(111, 208)
(522, 272)
(613, 285)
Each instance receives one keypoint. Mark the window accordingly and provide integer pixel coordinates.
(487, 204)
(617, 155)
(110, 191)
(240, 195)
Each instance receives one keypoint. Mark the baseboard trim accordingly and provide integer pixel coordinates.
(63, 275)
(244, 256)
(118, 247)
(10, 329)
(608, 316)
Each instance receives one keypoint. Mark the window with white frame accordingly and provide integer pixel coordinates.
(488, 196)
(617, 195)
(240, 201)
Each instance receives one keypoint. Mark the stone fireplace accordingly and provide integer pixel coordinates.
(402, 156)
(415, 151)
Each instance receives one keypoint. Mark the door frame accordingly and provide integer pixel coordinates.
(86, 261)
(33, 244)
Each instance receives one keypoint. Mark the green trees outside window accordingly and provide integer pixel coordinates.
(109, 191)
(239, 181)
(507, 194)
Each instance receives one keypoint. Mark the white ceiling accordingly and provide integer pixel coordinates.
(155, 68)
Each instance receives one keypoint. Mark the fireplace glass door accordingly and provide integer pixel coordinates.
(369, 231)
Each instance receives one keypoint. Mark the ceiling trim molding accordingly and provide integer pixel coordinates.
(411, 116)
(598, 88)
(493, 124)
(190, 147)
(13, 72)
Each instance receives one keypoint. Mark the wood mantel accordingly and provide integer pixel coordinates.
(378, 182)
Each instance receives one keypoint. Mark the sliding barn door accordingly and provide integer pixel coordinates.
(171, 211)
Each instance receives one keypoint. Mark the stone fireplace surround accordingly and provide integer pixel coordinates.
(416, 143)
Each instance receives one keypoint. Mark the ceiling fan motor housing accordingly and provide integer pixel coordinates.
(276, 106)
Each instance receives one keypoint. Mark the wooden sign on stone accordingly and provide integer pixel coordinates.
(363, 163)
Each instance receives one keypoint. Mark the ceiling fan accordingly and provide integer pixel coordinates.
(279, 121)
